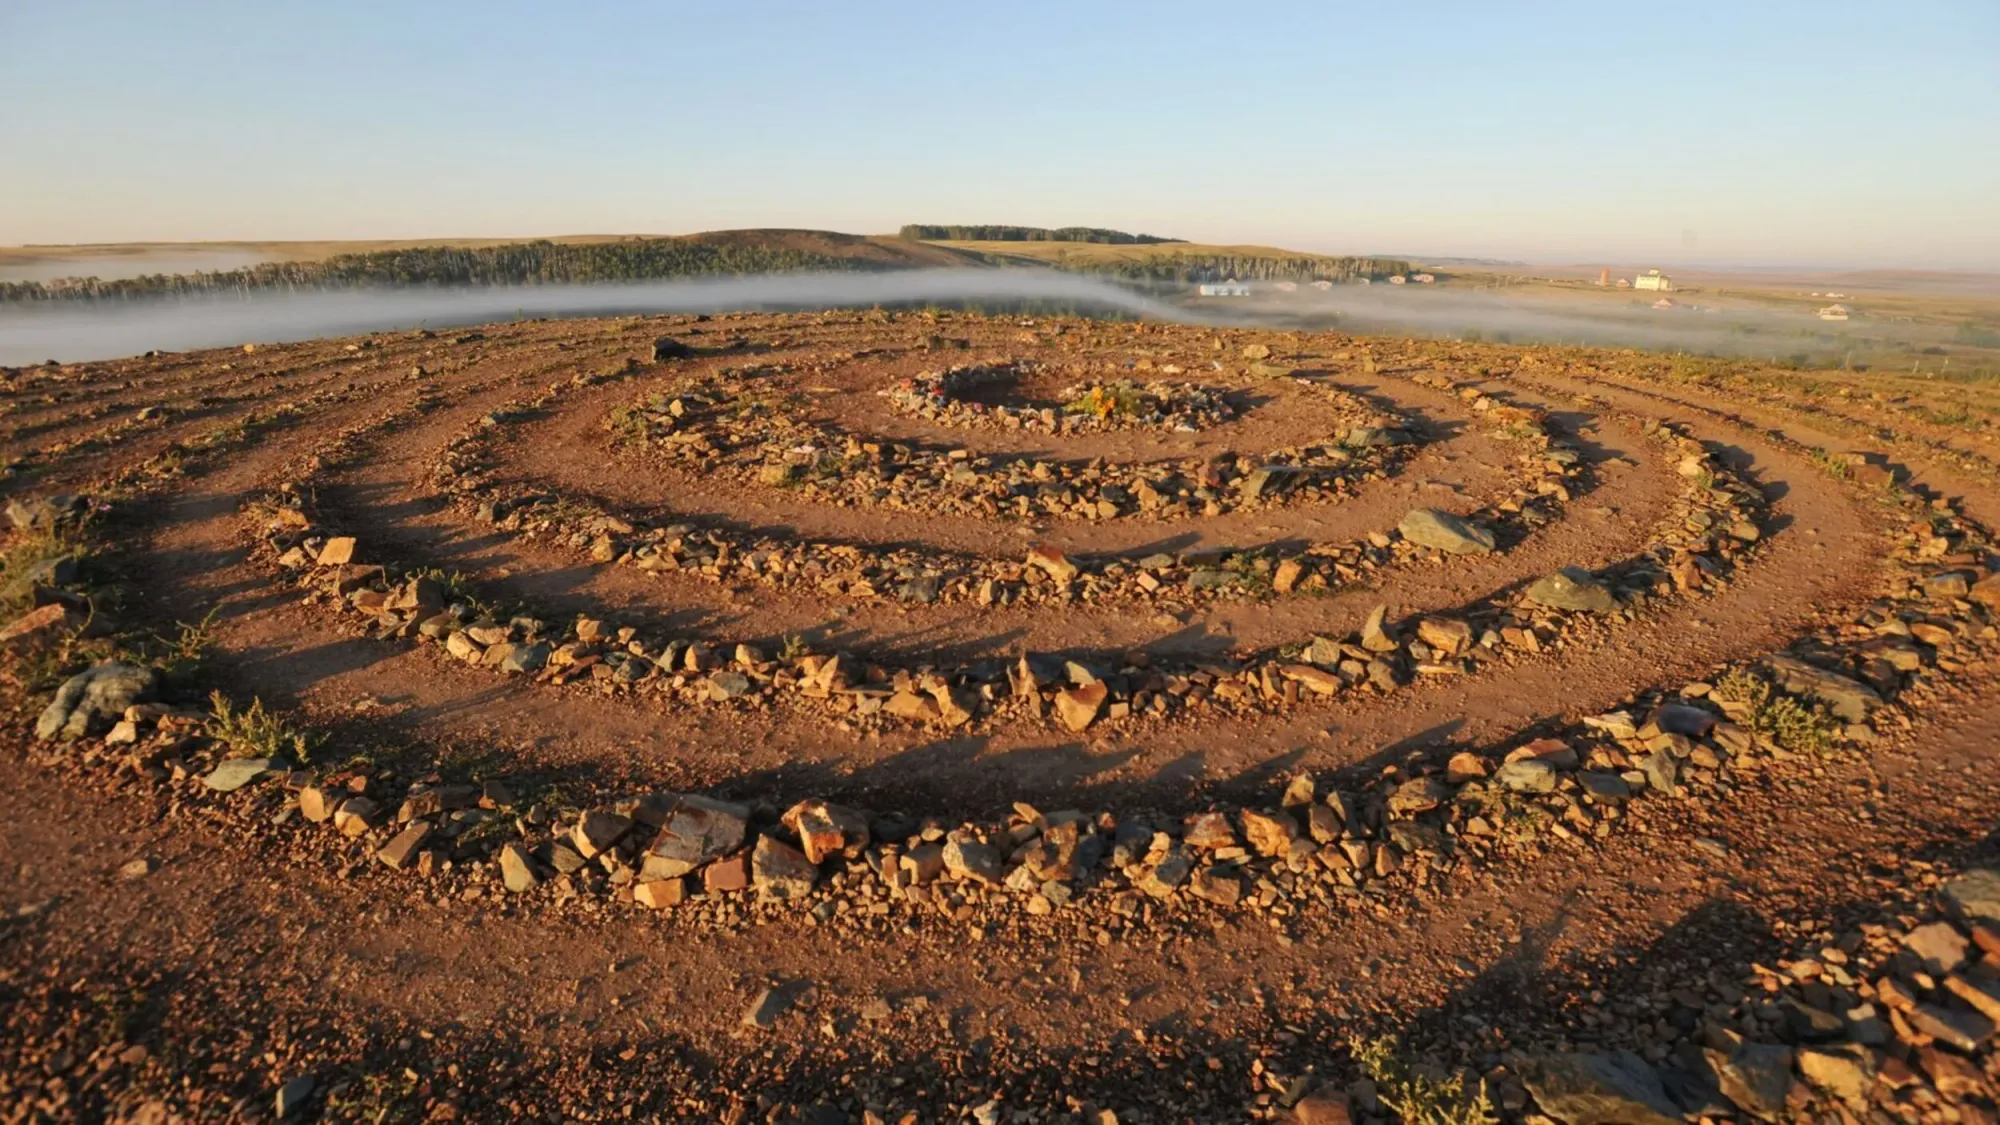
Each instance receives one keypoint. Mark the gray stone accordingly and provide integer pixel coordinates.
(1976, 894)
(1847, 698)
(771, 1003)
(517, 869)
(1604, 785)
(728, 685)
(1529, 775)
(780, 871)
(292, 1095)
(96, 696)
(1961, 1029)
(525, 658)
(1442, 531)
(1590, 1089)
(234, 773)
(1574, 589)
(701, 829)
(970, 859)
(1939, 946)
(1757, 1077)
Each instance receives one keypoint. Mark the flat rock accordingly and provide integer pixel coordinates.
(1591, 1089)
(1574, 589)
(1976, 894)
(1847, 698)
(234, 773)
(1442, 531)
(780, 871)
(93, 698)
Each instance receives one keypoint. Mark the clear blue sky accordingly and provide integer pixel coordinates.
(1742, 131)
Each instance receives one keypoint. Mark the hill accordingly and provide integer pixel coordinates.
(1181, 261)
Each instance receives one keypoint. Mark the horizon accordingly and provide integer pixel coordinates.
(1776, 139)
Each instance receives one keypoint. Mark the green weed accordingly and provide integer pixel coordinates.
(1781, 718)
(255, 732)
(1414, 1093)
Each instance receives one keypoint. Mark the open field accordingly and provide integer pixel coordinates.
(891, 716)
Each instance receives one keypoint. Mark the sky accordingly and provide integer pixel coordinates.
(1716, 133)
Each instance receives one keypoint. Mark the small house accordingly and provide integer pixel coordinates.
(1288, 286)
(1424, 278)
(1230, 288)
(1397, 279)
(1665, 303)
(1323, 285)
(1654, 280)
(1833, 312)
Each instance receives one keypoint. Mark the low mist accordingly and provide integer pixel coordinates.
(72, 331)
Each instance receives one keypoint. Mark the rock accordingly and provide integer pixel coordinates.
(1847, 698)
(356, 816)
(1078, 706)
(136, 869)
(1209, 831)
(293, 1094)
(728, 685)
(1961, 1030)
(1323, 1108)
(399, 852)
(1591, 1089)
(701, 829)
(1755, 1076)
(36, 622)
(771, 1003)
(1375, 636)
(232, 774)
(317, 802)
(827, 830)
(1053, 563)
(970, 859)
(1256, 351)
(1986, 591)
(525, 658)
(1161, 879)
(1217, 885)
(1419, 794)
(1286, 577)
(780, 871)
(1938, 945)
(598, 831)
(1442, 531)
(1528, 775)
(1270, 834)
(1846, 1071)
(727, 875)
(1269, 480)
(1976, 894)
(338, 551)
(1574, 589)
(666, 347)
(95, 697)
(659, 894)
(517, 869)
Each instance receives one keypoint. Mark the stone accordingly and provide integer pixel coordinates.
(338, 551)
(1845, 1071)
(727, 875)
(1269, 834)
(1938, 945)
(136, 868)
(969, 859)
(1161, 879)
(780, 871)
(93, 698)
(598, 831)
(659, 894)
(1419, 794)
(1573, 589)
(1374, 631)
(1286, 577)
(1528, 775)
(232, 774)
(1975, 894)
(827, 830)
(1322, 1108)
(728, 685)
(1442, 531)
(1209, 831)
(1986, 591)
(523, 658)
(1053, 563)
(1846, 698)
(35, 622)
(356, 816)
(701, 829)
(1447, 635)
(293, 1094)
(400, 851)
(666, 347)
(1078, 706)
(770, 1004)
(1216, 885)
(517, 869)
(1592, 1089)
(1757, 1077)
(1962, 1030)
(317, 802)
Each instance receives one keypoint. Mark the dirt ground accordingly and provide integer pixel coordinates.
(243, 955)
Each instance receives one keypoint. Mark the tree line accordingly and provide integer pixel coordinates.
(998, 232)
(526, 263)
(1196, 268)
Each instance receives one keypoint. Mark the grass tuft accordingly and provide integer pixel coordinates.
(1416, 1094)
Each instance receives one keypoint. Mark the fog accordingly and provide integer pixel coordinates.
(71, 331)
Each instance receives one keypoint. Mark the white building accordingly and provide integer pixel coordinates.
(1324, 284)
(1654, 279)
(1424, 278)
(1398, 279)
(1230, 288)
(1833, 312)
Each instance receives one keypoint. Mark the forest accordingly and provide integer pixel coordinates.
(1196, 268)
(526, 263)
(999, 232)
